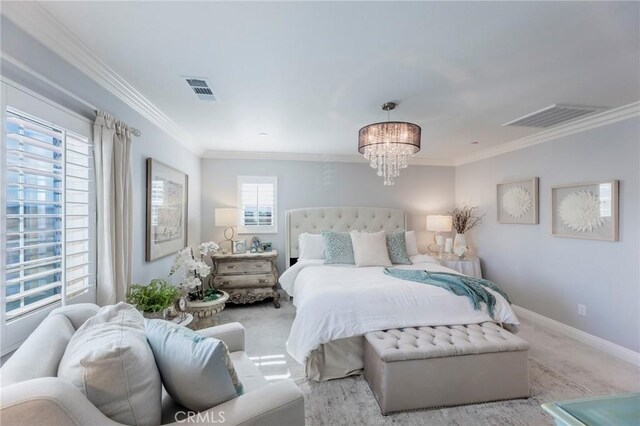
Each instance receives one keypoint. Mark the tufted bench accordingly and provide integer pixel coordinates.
(428, 367)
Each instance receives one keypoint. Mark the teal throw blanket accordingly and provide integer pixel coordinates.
(473, 288)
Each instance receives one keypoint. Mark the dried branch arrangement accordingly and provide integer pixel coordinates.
(464, 219)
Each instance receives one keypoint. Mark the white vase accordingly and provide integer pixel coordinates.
(460, 240)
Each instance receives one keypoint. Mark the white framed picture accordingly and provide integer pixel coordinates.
(518, 201)
(585, 210)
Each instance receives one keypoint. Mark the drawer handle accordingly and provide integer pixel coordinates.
(231, 266)
(257, 265)
(226, 282)
(262, 281)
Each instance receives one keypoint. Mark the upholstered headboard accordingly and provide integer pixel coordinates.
(317, 219)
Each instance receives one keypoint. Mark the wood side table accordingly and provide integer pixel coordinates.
(247, 277)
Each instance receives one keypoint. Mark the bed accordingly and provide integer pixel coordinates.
(337, 304)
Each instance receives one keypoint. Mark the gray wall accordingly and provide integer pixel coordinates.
(153, 142)
(551, 275)
(420, 190)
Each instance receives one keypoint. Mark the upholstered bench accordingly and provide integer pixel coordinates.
(428, 367)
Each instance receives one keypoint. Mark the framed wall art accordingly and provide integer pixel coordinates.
(585, 210)
(167, 210)
(518, 201)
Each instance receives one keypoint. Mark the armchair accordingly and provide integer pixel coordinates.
(31, 394)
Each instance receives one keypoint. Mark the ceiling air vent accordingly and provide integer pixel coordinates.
(202, 88)
(553, 115)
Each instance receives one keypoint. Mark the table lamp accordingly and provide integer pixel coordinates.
(438, 224)
(227, 218)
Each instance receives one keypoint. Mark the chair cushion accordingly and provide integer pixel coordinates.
(196, 371)
(109, 360)
(248, 372)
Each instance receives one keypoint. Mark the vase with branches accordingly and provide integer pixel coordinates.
(463, 220)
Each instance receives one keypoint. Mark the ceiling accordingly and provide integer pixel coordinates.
(310, 74)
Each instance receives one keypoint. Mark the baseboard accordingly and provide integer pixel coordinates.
(606, 346)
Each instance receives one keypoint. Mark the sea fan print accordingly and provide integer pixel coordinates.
(516, 201)
(580, 211)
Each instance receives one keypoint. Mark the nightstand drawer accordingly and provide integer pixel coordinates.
(243, 281)
(244, 267)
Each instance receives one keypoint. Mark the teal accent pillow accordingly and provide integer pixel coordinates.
(338, 247)
(397, 248)
(196, 371)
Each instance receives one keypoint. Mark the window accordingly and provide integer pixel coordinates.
(257, 201)
(49, 218)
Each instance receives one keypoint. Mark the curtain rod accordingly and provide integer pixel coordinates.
(26, 68)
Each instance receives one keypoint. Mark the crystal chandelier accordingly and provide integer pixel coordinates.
(389, 145)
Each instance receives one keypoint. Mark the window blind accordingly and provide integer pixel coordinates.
(257, 199)
(48, 214)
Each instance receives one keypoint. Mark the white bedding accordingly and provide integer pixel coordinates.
(338, 301)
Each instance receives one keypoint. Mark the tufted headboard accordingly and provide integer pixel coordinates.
(317, 219)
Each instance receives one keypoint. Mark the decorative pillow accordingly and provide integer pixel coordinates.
(412, 243)
(338, 247)
(109, 360)
(310, 246)
(370, 249)
(397, 248)
(196, 371)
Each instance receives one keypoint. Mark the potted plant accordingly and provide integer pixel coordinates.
(153, 299)
(203, 301)
(463, 219)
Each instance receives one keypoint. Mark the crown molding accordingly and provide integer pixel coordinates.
(36, 21)
(333, 158)
(597, 120)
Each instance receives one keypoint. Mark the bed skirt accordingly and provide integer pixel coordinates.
(336, 359)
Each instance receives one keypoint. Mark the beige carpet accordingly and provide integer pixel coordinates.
(559, 369)
(349, 401)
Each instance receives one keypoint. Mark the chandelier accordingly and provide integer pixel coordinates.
(389, 145)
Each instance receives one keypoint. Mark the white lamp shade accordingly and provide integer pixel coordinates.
(438, 223)
(226, 217)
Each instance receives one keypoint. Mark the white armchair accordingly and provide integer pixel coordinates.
(31, 394)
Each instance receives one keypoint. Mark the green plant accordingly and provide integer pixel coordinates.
(153, 297)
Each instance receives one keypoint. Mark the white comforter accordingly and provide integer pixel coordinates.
(338, 301)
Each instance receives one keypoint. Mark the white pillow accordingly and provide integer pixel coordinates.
(310, 246)
(412, 243)
(109, 360)
(423, 258)
(370, 249)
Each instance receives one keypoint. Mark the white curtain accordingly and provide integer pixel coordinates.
(112, 146)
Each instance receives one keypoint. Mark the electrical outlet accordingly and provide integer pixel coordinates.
(582, 310)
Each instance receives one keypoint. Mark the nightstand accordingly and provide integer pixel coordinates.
(247, 277)
(468, 265)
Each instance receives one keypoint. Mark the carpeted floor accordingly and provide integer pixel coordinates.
(559, 369)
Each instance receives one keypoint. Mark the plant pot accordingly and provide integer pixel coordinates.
(460, 240)
(204, 312)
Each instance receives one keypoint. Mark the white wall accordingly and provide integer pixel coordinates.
(153, 142)
(419, 190)
(551, 275)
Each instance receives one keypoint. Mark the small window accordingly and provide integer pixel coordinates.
(257, 196)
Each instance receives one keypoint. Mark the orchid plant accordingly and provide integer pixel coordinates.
(194, 270)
